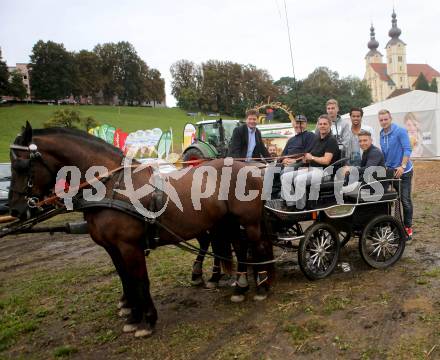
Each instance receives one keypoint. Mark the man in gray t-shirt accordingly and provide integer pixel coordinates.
(340, 127)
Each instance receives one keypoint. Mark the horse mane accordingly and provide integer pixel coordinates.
(81, 135)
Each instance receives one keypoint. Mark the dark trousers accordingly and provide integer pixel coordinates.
(405, 197)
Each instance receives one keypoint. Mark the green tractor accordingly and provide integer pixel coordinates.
(210, 139)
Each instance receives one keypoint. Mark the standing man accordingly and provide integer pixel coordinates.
(246, 142)
(396, 147)
(340, 128)
(353, 151)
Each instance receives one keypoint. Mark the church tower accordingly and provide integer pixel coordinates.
(373, 57)
(396, 57)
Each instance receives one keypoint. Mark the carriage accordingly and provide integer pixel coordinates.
(375, 219)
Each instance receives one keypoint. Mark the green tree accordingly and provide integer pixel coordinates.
(16, 86)
(4, 77)
(52, 71)
(70, 119)
(126, 75)
(186, 82)
(434, 85)
(309, 96)
(421, 83)
(88, 80)
(156, 86)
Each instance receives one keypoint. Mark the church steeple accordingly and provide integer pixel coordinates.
(373, 55)
(394, 32)
(396, 57)
(373, 44)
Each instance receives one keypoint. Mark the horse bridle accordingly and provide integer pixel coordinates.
(34, 155)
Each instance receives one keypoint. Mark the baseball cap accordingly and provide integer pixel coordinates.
(301, 118)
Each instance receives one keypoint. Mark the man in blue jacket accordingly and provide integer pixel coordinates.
(396, 147)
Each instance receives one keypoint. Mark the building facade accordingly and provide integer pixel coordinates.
(393, 76)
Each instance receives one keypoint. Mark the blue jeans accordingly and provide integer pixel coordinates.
(405, 197)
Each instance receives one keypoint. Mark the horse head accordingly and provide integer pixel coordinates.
(27, 161)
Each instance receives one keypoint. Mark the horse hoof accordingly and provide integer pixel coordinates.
(121, 304)
(142, 333)
(237, 298)
(197, 282)
(261, 294)
(124, 311)
(211, 285)
(128, 328)
(260, 297)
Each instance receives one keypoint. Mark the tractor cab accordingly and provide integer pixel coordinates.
(210, 139)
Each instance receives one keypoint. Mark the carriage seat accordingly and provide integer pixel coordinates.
(388, 182)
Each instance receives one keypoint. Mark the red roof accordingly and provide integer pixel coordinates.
(413, 70)
(428, 71)
(381, 69)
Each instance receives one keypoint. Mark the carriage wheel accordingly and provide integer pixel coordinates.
(318, 251)
(382, 242)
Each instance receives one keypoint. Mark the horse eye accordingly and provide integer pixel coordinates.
(21, 165)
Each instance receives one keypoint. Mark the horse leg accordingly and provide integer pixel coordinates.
(261, 252)
(197, 269)
(123, 304)
(240, 244)
(213, 281)
(143, 313)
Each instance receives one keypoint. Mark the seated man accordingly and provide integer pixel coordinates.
(301, 143)
(371, 155)
(324, 152)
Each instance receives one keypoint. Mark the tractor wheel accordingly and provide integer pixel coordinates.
(192, 154)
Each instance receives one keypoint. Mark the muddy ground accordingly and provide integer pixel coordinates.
(58, 298)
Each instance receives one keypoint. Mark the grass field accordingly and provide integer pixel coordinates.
(127, 118)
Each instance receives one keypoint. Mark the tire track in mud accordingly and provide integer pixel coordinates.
(36, 254)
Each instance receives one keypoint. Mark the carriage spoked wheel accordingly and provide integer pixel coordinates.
(382, 242)
(318, 251)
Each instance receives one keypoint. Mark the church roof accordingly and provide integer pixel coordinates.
(412, 69)
(428, 71)
(381, 69)
(398, 92)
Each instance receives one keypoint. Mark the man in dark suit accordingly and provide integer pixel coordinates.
(246, 142)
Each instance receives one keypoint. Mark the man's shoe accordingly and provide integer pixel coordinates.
(409, 233)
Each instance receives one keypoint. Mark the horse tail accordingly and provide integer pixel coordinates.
(221, 246)
(266, 239)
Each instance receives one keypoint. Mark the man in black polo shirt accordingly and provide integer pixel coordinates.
(325, 152)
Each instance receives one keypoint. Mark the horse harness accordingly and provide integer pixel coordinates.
(158, 199)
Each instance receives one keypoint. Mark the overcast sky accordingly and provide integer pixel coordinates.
(324, 33)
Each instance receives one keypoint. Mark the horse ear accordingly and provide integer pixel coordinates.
(27, 134)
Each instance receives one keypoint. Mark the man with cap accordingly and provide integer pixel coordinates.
(301, 143)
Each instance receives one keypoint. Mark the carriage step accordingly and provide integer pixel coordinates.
(288, 237)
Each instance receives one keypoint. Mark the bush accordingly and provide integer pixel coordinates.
(70, 119)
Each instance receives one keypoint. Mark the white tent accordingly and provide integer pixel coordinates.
(419, 112)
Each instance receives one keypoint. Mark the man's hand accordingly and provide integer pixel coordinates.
(346, 170)
(309, 157)
(399, 172)
(288, 161)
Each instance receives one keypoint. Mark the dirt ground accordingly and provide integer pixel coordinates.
(58, 297)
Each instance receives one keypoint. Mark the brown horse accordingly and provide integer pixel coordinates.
(38, 155)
